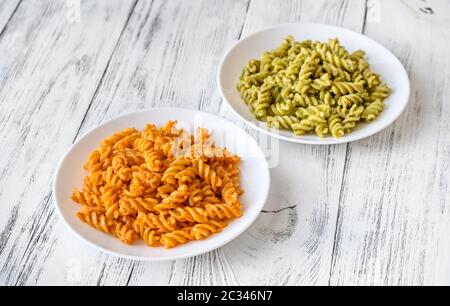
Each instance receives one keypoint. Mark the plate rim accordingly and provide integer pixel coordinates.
(326, 141)
(251, 221)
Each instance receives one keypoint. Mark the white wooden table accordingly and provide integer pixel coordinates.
(372, 212)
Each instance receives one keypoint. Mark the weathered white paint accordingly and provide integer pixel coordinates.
(7, 8)
(49, 76)
(371, 212)
(394, 220)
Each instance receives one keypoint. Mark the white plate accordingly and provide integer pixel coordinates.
(381, 60)
(255, 180)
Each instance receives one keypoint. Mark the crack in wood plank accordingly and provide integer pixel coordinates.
(5, 26)
(365, 17)
(171, 272)
(100, 276)
(245, 19)
(419, 5)
(278, 210)
(338, 218)
(344, 172)
(129, 276)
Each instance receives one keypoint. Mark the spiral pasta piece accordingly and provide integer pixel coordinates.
(335, 126)
(263, 101)
(177, 237)
(345, 88)
(352, 117)
(176, 198)
(124, 232)
(176, 166)
(154, 160)
(223, 211)
(95, 218)
(372, 110)
(162, 223)
(133, 206)
(301, 100)
(282, 122)
(281, 109)
(151, 237)
(202, 231)
(189, 214)
(348, 100)
(207, 173)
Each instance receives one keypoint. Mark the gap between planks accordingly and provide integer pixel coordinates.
(344, 172)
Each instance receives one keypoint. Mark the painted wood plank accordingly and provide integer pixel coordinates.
(394, 224)
(291, 242)
(167, 56)
(48, 79)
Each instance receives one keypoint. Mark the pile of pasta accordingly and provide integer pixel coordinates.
(161, 185)
(312, 87)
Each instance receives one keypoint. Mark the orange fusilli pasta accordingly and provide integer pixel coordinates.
(160, 185)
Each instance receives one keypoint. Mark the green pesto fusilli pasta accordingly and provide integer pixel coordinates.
(312, 87)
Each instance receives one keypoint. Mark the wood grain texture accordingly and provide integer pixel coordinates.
(7, 10)
(167, 56)
(393, 227)
(301, 213)
(372, 212)
(49, 76)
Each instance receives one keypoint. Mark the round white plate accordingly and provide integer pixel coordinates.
(381, 60)
(255, 180)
